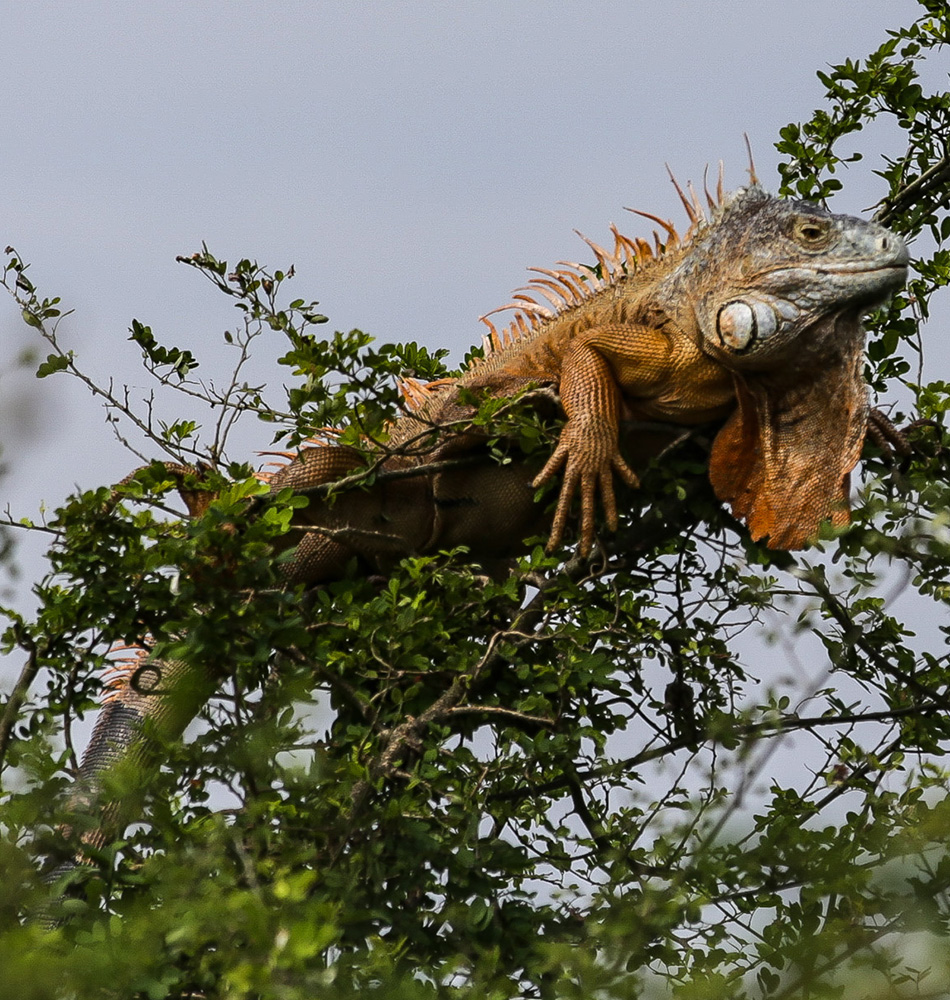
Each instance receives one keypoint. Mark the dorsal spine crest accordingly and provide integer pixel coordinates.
(572, 284)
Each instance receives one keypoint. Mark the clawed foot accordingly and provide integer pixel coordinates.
(590, 457)
(889, 438)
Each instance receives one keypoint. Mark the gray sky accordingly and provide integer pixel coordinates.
(410, 159)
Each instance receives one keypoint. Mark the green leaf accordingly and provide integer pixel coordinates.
(54, 363)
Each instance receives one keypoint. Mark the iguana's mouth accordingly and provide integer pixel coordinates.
(898, 270)
(858, 269)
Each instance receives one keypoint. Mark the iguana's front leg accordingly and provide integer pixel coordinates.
(588, 446)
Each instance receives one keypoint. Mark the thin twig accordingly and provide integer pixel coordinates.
(933, 177)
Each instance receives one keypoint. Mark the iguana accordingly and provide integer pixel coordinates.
(751, 318)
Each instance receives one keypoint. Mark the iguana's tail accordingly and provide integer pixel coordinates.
(149, 704)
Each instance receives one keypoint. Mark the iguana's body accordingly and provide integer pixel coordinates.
(761, 306)
(753, 318)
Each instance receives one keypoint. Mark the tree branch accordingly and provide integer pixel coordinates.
(933, 177)
(18, 696)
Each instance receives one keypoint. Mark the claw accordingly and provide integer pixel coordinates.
(587, 475)
(889, 438)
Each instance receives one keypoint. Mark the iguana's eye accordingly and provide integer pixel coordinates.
(812, 232)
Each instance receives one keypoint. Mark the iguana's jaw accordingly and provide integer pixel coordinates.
(766, 324)
(880, 282)
(867, 281)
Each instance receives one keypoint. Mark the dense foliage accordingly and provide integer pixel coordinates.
(578, 780)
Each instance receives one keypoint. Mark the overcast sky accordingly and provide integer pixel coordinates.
(410, 159)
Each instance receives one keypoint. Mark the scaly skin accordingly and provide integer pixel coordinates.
(752, 318)
(760, 305)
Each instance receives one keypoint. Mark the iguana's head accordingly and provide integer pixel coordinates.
(765, 270)
(778, 289)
